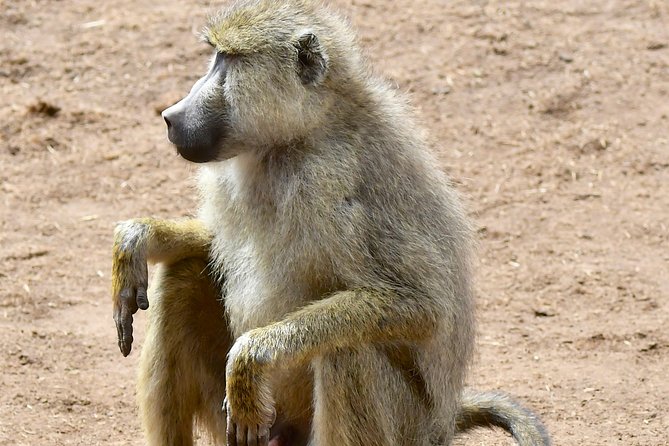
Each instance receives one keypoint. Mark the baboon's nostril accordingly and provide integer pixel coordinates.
(167, 121)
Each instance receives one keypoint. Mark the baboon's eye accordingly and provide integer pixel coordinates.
(205, 38)
(220, 64)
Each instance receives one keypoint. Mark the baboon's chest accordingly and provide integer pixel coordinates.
(268, 277)
(275, 248)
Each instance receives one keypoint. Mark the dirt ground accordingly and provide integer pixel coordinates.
(551, 116)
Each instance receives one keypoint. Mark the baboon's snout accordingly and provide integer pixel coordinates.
(174, 118)
(194, 136)
(167, 121)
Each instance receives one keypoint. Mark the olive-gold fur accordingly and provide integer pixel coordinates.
(323, 294)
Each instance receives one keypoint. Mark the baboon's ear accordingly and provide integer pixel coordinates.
(311, 58)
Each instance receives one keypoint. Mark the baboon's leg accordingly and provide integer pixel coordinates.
(182, 367)
(369, 396)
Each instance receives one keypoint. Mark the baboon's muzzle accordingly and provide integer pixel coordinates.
(194, 139)
(194, 125)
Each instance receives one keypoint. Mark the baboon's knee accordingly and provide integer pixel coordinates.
(186, 276)
(186, 294)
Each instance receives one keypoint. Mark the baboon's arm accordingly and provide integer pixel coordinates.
(162, 241)
(143, 240)
(345, 319)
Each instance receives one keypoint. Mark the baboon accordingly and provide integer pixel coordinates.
(323, 294)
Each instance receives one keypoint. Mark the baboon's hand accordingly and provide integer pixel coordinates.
(248, 405)
(246, 434)
(129, 279)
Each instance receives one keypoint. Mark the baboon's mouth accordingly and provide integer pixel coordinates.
(196, 154)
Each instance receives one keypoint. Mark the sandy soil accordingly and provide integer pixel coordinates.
(551, 116)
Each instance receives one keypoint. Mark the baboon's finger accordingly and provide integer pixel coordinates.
(257, 436)
(123, 316)
(128, 300)
(119, 330)
(142, 284)
(242, 434)
(124, 326)
(142, 298)
(231, 430)
(263, 436)
(252, 436)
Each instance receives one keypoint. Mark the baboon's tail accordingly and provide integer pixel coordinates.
(489, 409)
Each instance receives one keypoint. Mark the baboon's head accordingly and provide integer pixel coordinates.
(272, 78)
